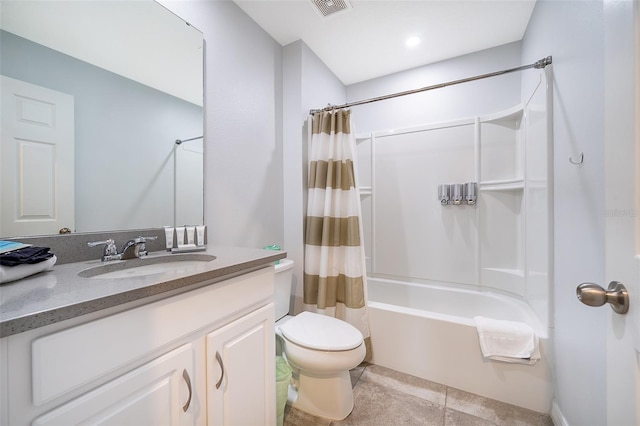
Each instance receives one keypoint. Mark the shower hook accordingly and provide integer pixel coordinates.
(579, 161)
(330, 108)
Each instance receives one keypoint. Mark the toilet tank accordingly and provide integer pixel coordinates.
(283, 284)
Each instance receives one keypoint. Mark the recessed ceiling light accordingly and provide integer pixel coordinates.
(413, 41)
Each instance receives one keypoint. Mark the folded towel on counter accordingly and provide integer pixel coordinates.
(12, 273)
(507, 341)
(27, 255)
(6, 246)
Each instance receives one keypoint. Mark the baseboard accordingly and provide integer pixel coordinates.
(556, 415)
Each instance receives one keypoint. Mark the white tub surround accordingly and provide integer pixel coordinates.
(433, 266)
(502, 241)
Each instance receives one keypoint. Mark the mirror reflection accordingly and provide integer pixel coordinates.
(94, 96)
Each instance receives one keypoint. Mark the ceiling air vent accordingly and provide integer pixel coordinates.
(329, 7)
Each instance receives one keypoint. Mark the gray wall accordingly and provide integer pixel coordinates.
(243, 125)
(572, 31)
(123, 171)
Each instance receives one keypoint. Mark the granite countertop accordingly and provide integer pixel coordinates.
(61, 294)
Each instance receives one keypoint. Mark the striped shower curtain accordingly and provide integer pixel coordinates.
(334, 268)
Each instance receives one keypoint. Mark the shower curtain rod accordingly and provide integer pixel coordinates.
(179, 141)
(542, 63)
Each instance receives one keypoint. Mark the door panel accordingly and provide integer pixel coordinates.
(36, 159)
(622, 233)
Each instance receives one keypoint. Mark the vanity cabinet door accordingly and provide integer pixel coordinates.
(160, 392)
(241, 371)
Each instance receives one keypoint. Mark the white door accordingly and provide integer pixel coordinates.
(622, 167)
(241, 378)
(36, 159)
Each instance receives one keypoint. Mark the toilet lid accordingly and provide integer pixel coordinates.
(320, 332)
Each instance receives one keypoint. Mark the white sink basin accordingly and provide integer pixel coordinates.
(148, 266)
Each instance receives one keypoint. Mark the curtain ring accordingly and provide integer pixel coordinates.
(579, 161)
(329, 108)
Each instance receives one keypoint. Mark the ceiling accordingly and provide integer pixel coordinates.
(367, 40)
(107, 35)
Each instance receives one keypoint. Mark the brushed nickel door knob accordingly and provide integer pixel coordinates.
(593, 295)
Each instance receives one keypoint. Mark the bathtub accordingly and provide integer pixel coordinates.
(428, 331)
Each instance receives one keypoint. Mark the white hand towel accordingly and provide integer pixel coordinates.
(508, 341)
(12, 273)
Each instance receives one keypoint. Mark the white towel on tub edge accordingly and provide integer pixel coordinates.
(507, 341)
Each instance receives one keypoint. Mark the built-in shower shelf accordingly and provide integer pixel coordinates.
(365, 190)
(363, 137)
(510, 280)
(502, 185)
(519, 273)
(513, 114)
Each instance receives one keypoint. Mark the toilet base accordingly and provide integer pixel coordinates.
(330, 397)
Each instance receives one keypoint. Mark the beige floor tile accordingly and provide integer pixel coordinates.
(380, 405)
(405, 383)
(293, 417)
(456, 418)
(356, 373)
(385, 397)
(496, 412)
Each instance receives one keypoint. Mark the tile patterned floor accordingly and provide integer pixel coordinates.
(386, 397)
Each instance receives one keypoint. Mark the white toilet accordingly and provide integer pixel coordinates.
(320, 349)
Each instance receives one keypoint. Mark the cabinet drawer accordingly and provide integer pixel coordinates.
(74, 357)
(152, 394)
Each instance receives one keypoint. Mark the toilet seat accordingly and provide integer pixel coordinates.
(321, 332)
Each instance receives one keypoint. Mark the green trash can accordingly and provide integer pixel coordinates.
(283, 377)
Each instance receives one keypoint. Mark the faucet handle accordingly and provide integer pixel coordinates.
(144, 239)
(110, 249)
(142, 247)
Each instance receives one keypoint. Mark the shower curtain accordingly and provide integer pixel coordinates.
(334, 268)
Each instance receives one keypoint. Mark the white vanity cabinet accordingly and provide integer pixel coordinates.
(154, 364)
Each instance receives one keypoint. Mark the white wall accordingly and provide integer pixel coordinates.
(307, 84)
(243, 131)
(572, 31)
(453, 102)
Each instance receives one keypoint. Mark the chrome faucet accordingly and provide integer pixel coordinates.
(132, 249)
(110, 250)
(135, 248)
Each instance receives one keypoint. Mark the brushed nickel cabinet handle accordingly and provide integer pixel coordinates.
(186, 378)
(219, 359)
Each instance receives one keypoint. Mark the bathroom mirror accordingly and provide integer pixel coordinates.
(94, 96)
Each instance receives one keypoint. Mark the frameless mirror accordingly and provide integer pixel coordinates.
(95, 95)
